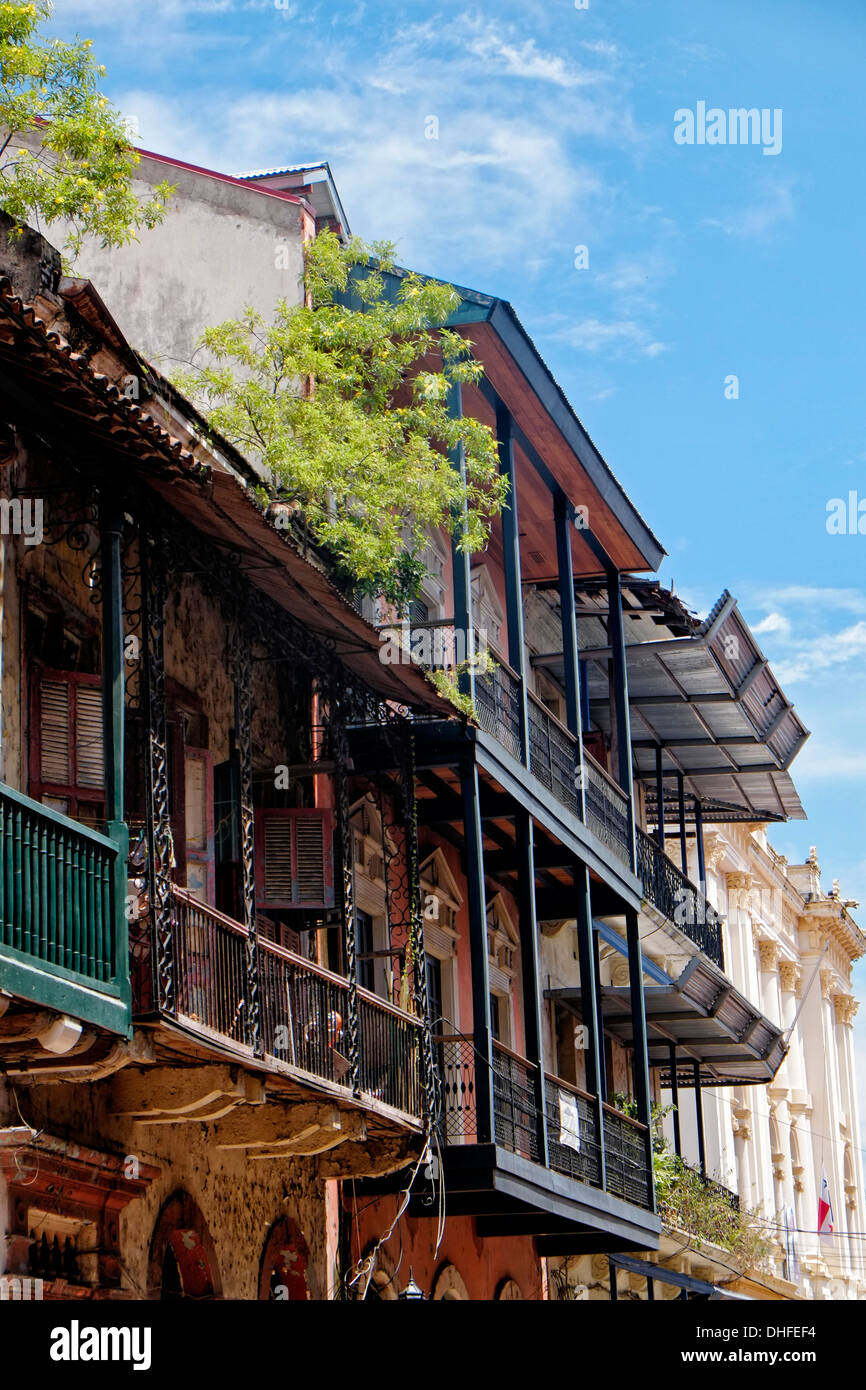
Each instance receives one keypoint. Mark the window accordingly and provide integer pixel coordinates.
(364, 947)
(294, 858)
(435, 1000)
(495, 1022)
(67, 770)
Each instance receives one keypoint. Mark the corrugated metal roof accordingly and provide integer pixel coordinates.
(705, 693)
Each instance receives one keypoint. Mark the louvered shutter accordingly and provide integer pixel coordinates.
(54, 733)
(294, 858)
(89, 754)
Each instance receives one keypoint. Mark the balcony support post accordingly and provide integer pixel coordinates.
(242, 676)
(477, 902)
(599, 1012)
(675, 1101)
(113, 718)
(616, 636)
(681, 798)
(639, 1035)
(699, 1116)
(590, 1007)
(562, 516)
(660, 799)
(347, 882)
(462, 568)
(699, 840)
(513, 578)
(159, 840)
(534, 1047)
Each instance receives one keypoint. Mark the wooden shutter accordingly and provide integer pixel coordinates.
(69, 732)
(294, 858)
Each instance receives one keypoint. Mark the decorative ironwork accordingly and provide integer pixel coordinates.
(340, 742)
(607, 809)
(241, 663)
(160, 851)
(669, 890)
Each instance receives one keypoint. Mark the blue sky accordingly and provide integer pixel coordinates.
(556, 130)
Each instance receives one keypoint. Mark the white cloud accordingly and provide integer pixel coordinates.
(773, 207)
(596, 335)
(525, 60)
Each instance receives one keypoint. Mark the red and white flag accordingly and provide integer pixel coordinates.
(825, 1208)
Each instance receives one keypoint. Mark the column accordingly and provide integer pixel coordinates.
(530, 972)
(113, 716)
(477, 904)
(513, 580)
(616, 636)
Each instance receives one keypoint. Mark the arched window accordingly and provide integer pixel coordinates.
(449, 1284)
(182, 1256)
(283, 1272)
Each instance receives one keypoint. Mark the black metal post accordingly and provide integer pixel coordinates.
(611, 1273)
(616, 637)
(513, 581)
(599, 1008)
(675, 1101)
(477, 902)
(243, 674)
(590, 1006)
(534, 1043)
(113, 718)
(699, 840)
(660, 799)
(639, 1035)
(681, 798)
(462, 569)
(562, 518)
(699, 1115)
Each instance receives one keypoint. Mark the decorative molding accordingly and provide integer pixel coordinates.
(768, 950)
(845, 1006)
(790, 976)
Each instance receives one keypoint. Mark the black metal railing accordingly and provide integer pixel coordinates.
(572, 1132)
(304, 1008)
(625, 1158)
(497, 705)
(608, 814)
(673, 894)
(515, 1107)
(571, 1117)
(553, 755)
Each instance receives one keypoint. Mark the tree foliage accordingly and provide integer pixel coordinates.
(343, 403)
(65, 152)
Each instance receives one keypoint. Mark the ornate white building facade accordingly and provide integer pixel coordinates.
(790, 948)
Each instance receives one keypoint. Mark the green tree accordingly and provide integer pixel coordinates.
(65, 152)
(343, 403)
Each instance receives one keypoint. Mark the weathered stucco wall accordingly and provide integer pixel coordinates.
(222, 247)
(239, 1198)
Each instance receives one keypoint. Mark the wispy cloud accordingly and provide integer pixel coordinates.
(771, 209)
(618, 335)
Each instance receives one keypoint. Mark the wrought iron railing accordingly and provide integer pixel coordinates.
(625, 1158)
(669, 890)
(515, 1107)
(58, 904)
(304, 1008)
(607, 809)
(553, 755)
(572, 1132)
(571, 1118)
(497, 704)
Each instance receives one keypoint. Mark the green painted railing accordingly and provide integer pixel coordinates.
(63, 931)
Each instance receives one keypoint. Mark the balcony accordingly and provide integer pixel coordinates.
(62, 929)
(554, 756)
(677, 898)
(574, 1150)
(304, 1011)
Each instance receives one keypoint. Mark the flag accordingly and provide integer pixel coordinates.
(825, 1208)
(792, 1258)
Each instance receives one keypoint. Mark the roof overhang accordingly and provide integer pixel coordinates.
(701, 692)
(705, 1017)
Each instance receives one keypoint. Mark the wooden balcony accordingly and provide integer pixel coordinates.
(63, 931)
